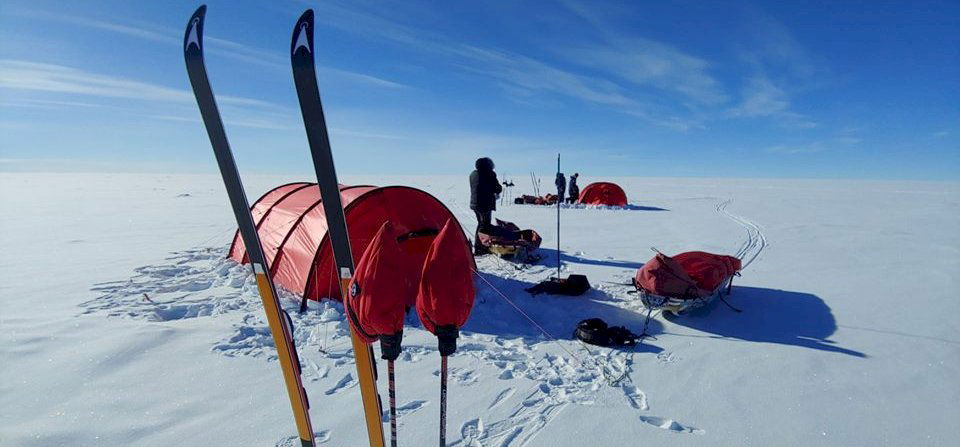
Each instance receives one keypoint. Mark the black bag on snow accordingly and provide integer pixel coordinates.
(595, 331)
(574, 285)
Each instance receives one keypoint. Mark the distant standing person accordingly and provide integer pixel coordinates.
(484, 188)
(574, 190)
(561, 186)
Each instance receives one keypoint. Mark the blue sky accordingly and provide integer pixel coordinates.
(686, 88)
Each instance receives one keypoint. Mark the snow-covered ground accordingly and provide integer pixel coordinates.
(121, 323)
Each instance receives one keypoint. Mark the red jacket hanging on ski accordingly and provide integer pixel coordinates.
(446, 290)
(379, 290)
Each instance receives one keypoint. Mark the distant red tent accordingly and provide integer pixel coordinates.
(292, 228)
(603, 193)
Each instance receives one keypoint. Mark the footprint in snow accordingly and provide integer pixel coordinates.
(320, 437)
(670, 424)
(319, 372)
(461, 376)
(504, 395)
(636, 397)
(345, 382)
(667, 357)
(471, 431)
(405, 409)
(415, 353)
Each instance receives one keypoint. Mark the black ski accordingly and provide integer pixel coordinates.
(305, 78)
(277, 318)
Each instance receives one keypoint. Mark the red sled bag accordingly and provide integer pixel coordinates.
(663, 276)
(689, 275)
(709, 271)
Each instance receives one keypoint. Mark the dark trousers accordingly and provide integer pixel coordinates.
(483, 218)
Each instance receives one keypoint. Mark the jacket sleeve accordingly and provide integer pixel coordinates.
(497, 187)
(474, 189)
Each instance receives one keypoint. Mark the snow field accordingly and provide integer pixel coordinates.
(124, 324)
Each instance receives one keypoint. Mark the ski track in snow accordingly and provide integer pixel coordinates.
(755, 242)
(201, 282)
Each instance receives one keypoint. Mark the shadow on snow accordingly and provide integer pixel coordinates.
(769, 316)
(549, 258)
(558, 315)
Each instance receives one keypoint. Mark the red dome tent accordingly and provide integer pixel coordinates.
(603, 193)
(293, 231)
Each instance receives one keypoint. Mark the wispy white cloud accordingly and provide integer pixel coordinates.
(829, 144)
(531, 74)
(643, 61)
(254, 123)
(50, 104)
(761, 97)
(646, 62)
(339, 131)
(775, 47)
(780, 66)
(68, 82)
(518, 72)
(212, 44)
(523, 76)
(352, 76)
(28, 75)
(141, 31)
(78, 165)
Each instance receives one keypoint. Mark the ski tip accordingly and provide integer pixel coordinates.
(194, 33)
(303, 33)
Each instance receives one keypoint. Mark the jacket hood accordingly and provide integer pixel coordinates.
(484, 164)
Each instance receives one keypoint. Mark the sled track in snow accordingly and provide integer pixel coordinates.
(756, 241)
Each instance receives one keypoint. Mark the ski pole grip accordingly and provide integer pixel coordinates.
(390, 346)
(447, 339)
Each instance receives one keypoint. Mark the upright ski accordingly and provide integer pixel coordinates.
(305, 78)
(277, 318)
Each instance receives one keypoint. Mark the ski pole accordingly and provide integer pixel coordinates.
(558, 218)
(443, 401)
(392, 391)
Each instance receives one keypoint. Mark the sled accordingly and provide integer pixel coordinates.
(686, 281)
(508, 241)
(678, 304)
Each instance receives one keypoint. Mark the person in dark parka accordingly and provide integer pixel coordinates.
(574, 190)
(484, 188)
(561, 183)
